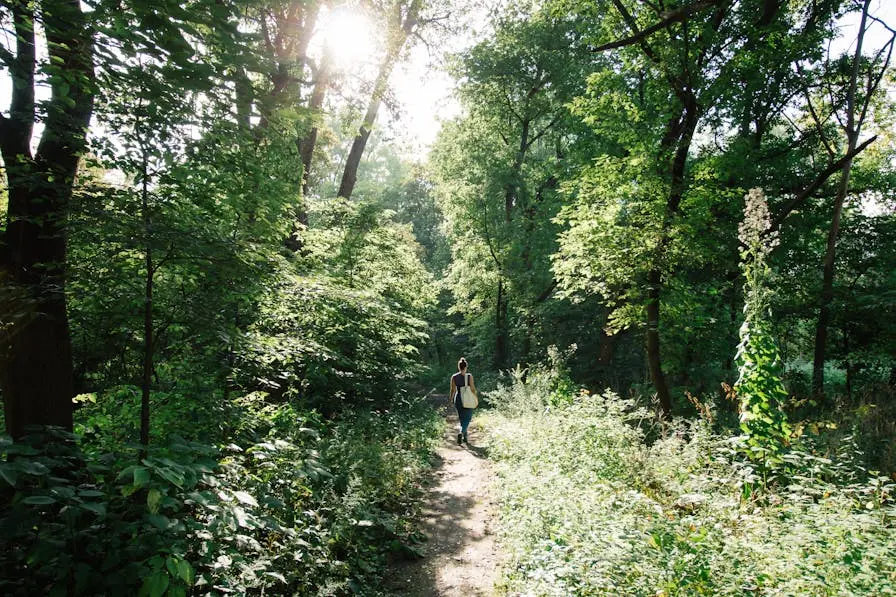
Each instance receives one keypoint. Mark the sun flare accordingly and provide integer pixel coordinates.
(349, 37)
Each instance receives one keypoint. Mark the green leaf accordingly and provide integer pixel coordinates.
(185, 572)
(141, 476)
(153, 499)
(90, 493)
(33, 468)
(156, 584)
(172, 477)
(39, 500)
(98, 508)
(245, 498)
(158, 521)
(8, 474)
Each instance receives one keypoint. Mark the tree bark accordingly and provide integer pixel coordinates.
(36, 373)
(654, 358)
(353, 161)
(307, 144)
(827, 286)
(306, 147)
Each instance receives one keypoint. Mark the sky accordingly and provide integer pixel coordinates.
(429, 97)
(425, 91)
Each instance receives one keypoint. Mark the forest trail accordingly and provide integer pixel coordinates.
(461, 557)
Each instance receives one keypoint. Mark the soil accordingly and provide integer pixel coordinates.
(461, 557)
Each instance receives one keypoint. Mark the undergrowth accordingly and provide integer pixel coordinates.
(292, 505)
(587, 507)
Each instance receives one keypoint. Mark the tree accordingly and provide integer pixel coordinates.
(673, 72)
(84, 52)
(35, 356)
(855, 111)
(499, 168)
(403, 17)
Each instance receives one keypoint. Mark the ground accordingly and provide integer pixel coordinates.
(461, 557)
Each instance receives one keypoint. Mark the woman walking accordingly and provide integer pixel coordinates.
(458, 381)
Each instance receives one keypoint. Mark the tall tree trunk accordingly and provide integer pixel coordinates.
(408, 22)
(679, 133)
(353, 161)
(510, 192)
(307, 144)
(853, 128)
(605, 353)
(502, 335)
(850, 368)
(733, 313)
(306, 147)
(654, 358)
(147, 317)
(827, 285)
(36, 374)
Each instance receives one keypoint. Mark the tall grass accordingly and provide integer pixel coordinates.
(587, 507)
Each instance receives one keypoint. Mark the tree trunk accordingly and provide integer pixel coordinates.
(147, 318)
(679, 133)
(733, 313)
(510, 192)
(827, 286)
(654, 361)
(853, 128)
(307, 144)
(850, 368)
(353, 161)
(407, 23)
(306, 151)
(605, 354)
(36, 374)
(502, 339)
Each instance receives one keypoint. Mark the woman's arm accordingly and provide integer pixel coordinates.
(451, 391)
(473, 385)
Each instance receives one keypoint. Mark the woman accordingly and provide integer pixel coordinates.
(459, 380)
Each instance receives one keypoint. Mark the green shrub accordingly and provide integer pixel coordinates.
(293, 506)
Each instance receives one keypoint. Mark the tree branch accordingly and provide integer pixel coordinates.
(816, 184)
(815, 118)
(7, 57)
(874, 82)
(541, 133)
(640, 36)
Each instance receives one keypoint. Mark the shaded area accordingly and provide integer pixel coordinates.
(460, 553)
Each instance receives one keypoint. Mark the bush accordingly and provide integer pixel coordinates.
(294, 506)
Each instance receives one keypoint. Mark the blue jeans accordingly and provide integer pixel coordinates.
(464, 414)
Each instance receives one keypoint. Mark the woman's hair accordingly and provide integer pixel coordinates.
(462, 364)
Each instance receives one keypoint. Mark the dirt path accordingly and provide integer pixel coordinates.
(461, 556)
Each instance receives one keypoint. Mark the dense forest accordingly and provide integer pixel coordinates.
(663, 232)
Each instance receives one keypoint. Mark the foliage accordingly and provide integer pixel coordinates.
(760, 390)
(538, 387)
(587, 508)
(293, 506)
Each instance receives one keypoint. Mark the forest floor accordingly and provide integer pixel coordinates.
(461, 557)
